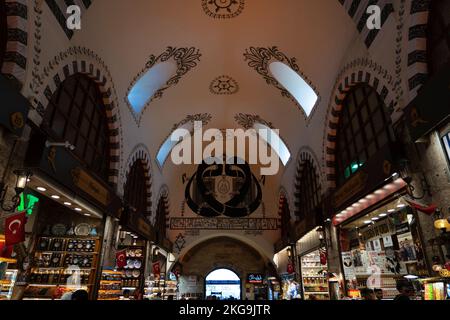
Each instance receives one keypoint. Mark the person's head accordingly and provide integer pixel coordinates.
(368, 294)
(126, 293)
(80, 295)
(405, 288)
(379, 294)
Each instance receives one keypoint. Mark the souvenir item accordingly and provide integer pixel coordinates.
(83, 229)
(59, 230)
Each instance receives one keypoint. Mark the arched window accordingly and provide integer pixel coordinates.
(76, 113)
(135, 190)
(160, 224)
(3, 31)
(307, 189)
(285, 216)
(364, 128)
(438, 43)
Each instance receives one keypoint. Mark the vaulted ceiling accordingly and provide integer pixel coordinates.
(314, 35)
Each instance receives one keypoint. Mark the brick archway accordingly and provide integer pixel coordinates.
(358, 72)
(140, 153)
(82, 60)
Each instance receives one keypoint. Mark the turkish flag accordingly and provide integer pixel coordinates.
(15, 229)
(121, 259)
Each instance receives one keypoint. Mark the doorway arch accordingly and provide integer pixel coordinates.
(223, 283)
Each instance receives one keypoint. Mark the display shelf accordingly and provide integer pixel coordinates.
(317, 292)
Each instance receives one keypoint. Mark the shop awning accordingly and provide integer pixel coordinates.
(15, 106)
(431, 107)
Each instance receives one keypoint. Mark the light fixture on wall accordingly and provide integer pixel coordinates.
(22, 177)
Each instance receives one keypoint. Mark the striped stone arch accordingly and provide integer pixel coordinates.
(140, 153)
(15, 60)
(359, 71)
(82, 60)
(163, 196)
(417, 70)
(357, 10)
(305, 154)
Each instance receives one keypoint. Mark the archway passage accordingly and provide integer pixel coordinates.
(223, 284)
(198, 264)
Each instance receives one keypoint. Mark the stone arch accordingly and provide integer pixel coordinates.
(305, 154)
(417, 70)
(16, 55)
(360, 71)
(163, 199)
(140, 153)
(82, 60)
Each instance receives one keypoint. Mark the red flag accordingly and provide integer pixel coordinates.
(15, 229)
(121, 259)
(427, 209)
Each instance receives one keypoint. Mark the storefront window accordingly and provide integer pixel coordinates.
(438, 42)
(364, 128)
(381, 249)
(135, 191)
(3, 31)
(307, 190)
(76, 113)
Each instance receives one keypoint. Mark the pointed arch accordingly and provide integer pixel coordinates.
(140, 156)
(82, 60)
(359, 71)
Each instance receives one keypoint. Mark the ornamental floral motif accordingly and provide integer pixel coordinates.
(185, 58)
(247, 120)
(224, 85)
(223, 9)
(260, 58)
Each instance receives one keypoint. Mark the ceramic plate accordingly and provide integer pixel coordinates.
(136, 273)
(83, 229)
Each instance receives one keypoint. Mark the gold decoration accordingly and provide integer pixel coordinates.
(17, 120)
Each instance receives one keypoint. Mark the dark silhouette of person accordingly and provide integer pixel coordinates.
(80, 295)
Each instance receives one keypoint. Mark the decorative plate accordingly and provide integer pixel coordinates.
(136, 273)
(138, 253)
(59, 229)
(83, 229)
(137, 264)
(128, 273)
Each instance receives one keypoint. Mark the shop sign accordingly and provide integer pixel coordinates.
(139, 224)
(255, 278)
(402, 228)
(431, 106)
(27, 203)
(352, 187)
(91, 186)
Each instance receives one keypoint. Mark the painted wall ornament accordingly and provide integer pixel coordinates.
(223, 189)
(223, 9)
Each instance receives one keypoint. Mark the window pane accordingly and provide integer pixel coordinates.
(373, 101)
(364, 114)
(369, 132)
(89, 155)
(79, 97)
(81, 144)
(372, 149)
(71, 134)
(75, 115)
(359, 143)
(359, 93)
(89, 108)
(382, 139)
(58, 124)
(64, 102)
(84, 127)
(355, 124)
(378, 122)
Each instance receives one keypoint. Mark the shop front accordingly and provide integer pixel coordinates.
(69, 209)
(135, 236)
(256, 287)
(312, 259)
(380, 241)
(285, 263)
